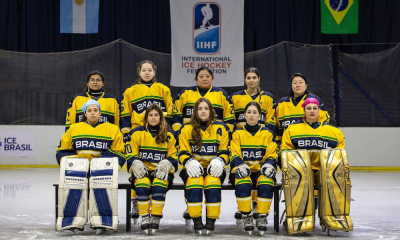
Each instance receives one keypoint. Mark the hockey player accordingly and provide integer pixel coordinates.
(91, 138)
(253, 93)
(253, 167)
(183, 106)
(313, 135)
(151, 160)
(135, 101)
(203, 151)
(84, 141)
(109, 104)
(288, 109)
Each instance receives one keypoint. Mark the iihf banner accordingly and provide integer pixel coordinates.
(207, 34)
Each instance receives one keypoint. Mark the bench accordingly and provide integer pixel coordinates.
(181, 186)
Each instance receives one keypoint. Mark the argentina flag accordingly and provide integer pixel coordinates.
(79, 16)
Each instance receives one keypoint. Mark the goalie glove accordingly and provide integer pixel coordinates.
(268, 170)
(216, 167)
(193, 168)
(139, 170)
(162, 169)
(242, 171)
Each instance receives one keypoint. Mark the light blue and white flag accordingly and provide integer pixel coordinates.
(207, 34)
(79, 16)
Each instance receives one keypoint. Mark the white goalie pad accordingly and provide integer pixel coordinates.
(103, 199)
(72, 194)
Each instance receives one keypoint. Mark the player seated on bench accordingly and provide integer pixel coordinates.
(151, 160)
(253, 164)
(101, 145)
(314, 150)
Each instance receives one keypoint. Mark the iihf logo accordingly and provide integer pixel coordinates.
(206, 28)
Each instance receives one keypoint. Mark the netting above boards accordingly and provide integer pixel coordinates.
(35, 88)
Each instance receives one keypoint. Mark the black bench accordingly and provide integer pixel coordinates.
(181, 186)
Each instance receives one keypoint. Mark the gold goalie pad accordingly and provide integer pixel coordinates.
(298, 187)
(334, 191)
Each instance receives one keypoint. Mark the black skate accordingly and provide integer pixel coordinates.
(198, 225)
(210, 225)
(248, 223)
(239, 218)
(187, 217)
(135, 211)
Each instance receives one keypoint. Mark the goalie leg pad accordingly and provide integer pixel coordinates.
(335, 190)
(103, 196)
(298, 189)
(72, 194)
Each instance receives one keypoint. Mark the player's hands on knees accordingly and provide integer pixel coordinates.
(139, 170)
(216, 167)
(162, 169)
(242, 171)
(194, 168)
(268, 170)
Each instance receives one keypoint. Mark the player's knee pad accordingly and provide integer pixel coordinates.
(143, 188)
(194, 195)
(103, 198)
(298, 190)
(72, 194)
(243, 187)
(335, 190)
(159, 189)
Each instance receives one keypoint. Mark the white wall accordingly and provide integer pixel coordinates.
(366, 147)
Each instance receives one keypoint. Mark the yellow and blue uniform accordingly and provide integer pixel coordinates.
(215, 141)
(302, 136)
(286, 113)
(253, 149)
(109, 109)
(83, 140)
(242, 98)
(143, 146)
(184, 104)
(136, 100)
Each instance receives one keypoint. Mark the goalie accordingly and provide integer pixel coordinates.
(313, 155)
(100, 145)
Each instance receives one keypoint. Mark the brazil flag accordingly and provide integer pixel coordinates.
(339, 16)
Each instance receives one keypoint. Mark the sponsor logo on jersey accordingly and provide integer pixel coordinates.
(207, 28)
(90, 144)
(313, 143)
(101, 178)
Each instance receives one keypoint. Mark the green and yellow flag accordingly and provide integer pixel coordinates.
(339, 16)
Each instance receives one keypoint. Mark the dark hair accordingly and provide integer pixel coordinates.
(204, 68)
(253, 70)
(103, 79)
(164, 127)
(195, 121)
(253, 103)
(291, 93)
(140, 68)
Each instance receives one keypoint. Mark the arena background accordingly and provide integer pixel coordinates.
(355, 74)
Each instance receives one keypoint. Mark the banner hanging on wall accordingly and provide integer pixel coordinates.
(207, 34)
(79, 16)
(17, 143)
